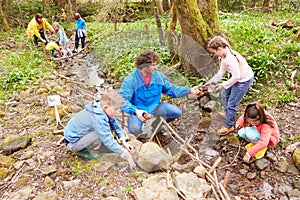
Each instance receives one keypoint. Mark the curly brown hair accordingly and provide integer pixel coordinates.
(146, 58)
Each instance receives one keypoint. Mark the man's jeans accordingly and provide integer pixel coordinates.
(168, 111)
(231, 97)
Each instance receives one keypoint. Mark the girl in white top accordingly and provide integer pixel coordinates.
(234, 89)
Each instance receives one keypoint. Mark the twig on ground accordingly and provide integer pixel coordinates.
(230, 164)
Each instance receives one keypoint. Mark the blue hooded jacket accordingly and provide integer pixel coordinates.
(94, 118)
(138, 96)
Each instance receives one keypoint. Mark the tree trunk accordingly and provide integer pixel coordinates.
(46, 5)
(69, 6)
(3, 19)
(209, 11)
(159, 7)
(172, 38)
(195, 34)
(166, 5)
(159, 28)
(266, 4)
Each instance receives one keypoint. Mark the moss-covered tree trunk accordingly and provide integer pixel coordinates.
(172, 38)
(3, 19)
(196, 31)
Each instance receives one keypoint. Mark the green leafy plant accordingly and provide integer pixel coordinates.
(128, 189)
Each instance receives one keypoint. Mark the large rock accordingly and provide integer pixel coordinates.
(15, 145)
(152, 157)
(155, 187)
(296, 157)
(192, 186)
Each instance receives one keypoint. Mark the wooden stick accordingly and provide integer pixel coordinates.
(293, 78)
(227, 176)
(217, 162)
(227, 197)
(155, 131)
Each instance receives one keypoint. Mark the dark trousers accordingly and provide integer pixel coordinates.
(36, 39)
(77, 41)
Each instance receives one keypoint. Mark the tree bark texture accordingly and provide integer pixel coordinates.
(195, 34)
(3, 19)
(159, 7)
(172, 37)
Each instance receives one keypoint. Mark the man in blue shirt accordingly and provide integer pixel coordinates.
(142, 91)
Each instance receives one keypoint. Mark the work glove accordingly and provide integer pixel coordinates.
(126, 155)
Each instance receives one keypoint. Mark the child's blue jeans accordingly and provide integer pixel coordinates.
(168, 111)
(231, 97)
(249, 133)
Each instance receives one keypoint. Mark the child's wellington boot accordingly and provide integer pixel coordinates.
(261, 153)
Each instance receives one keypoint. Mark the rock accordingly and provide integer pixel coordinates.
(281, 164)
(22, 194)
(2, 113)
(15, 145)
(188, 167)
(296, 157)
(293, 194)
(48, 182)
(209, 106)
(152, 157)
(292, 169)
(27, 155)
(101, 166)
(251, 175)
(204, 100)
(297, 184)
(71, 184)
(262, 163)
(271, 155)
(243, 171)
(204, 123)
(49, 169)
(111, 198)
(233, 140)
(291, 148)
(155, 187)
(19, 164)
(191, 186)
(200, 171)
(46, 195)
(42, 91)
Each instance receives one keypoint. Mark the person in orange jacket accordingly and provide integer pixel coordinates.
(37, 27)
(259, 128)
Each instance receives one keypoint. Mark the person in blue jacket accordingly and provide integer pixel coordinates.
(92, 126)
(142, 90)
(80, 31)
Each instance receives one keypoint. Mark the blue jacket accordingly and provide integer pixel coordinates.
(93, 118)
(80, 24)
(138, 96)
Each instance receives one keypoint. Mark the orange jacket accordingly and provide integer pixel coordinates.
(269, 136)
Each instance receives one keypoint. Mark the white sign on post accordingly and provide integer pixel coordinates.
(54, 100)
